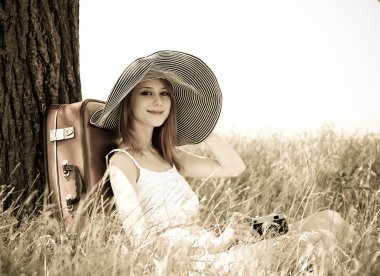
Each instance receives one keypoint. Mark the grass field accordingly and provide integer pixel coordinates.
(296, 175)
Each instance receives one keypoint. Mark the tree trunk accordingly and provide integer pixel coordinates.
(39, 51)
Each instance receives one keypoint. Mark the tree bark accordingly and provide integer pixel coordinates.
(39, 51)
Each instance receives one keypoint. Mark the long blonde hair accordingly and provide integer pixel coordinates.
(164, 137)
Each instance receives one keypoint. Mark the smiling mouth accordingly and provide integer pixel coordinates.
(155, 111)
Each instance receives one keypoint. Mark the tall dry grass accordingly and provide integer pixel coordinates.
(296, 175)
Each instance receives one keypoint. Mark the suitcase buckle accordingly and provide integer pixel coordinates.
(61, 134)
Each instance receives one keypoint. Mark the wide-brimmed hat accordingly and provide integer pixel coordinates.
(196, 91)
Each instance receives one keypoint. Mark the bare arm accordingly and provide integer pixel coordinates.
(123, 174)
(225, 162)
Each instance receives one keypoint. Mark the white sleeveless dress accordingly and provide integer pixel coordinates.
(166, 198)
(170, 206)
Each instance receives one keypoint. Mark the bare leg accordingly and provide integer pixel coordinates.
(325, 220)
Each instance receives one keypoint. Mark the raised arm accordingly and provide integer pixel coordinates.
(123, 175)
(225, 161)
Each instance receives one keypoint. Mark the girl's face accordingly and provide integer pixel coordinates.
(150, 102)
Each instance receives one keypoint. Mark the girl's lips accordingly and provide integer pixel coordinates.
(156, 111)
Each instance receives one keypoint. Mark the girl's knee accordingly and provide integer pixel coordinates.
(327, 220)
(330, 215)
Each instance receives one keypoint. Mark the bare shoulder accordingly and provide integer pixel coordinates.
(184, 156)
(125, 163)
(193, 165)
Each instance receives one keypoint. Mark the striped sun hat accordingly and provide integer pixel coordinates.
(196, 91)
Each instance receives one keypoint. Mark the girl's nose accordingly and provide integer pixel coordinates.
(157, 100)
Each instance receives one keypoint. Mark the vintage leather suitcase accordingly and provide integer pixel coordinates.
(75, 154)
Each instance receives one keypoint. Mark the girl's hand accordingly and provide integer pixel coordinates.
(238, 232)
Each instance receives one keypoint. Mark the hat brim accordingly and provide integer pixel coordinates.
(196, 91)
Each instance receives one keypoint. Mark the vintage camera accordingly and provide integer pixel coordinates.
(270, 226)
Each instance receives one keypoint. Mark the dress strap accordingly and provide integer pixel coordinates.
(127, 153)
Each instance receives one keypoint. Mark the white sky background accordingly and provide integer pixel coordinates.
(282, 65)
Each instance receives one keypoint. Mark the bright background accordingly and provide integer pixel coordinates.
(283, 65)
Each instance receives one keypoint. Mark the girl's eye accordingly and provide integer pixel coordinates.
(146, 93)
(165, 93)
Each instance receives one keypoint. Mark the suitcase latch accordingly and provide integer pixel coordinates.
(61, 134)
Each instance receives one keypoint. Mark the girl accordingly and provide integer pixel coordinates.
(159, 102)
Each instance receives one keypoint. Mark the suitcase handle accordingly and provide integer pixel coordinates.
(67, 168)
